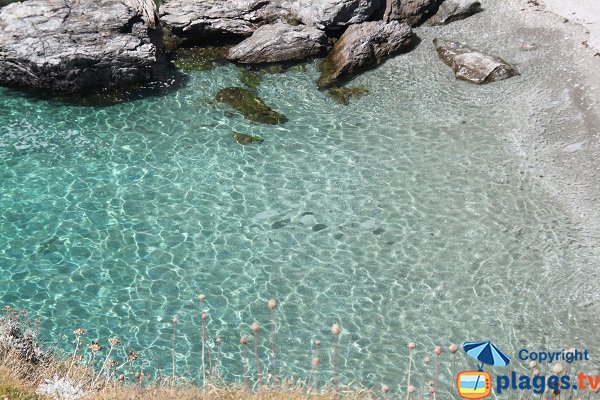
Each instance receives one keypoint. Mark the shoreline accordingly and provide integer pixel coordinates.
(583, 12)
(566, 159)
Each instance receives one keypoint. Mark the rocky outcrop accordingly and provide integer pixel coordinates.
(74, 45)
(205, 21)
(363, 46)
(6, 2)
(454, 10)
(472, 65)
(334, 14)
(413, 12)
(280, 42)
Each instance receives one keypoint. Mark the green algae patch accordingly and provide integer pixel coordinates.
(200, 58)
(250, 78)
(250, 105)
(242, 138)
(327, 70)
(342, 95)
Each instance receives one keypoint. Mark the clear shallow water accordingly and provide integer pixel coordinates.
(116, 218)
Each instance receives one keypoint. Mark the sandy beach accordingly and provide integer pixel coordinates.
(583, 12)
(565, 157)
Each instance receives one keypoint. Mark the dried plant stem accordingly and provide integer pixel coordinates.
(436, 377)
(258, 370)
(74, 354)
(173, 350)
(410, 360)
(335, 372)
(273, 344)
(245, 350)
(203, 317)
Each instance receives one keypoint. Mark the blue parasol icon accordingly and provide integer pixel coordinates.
(486, 353)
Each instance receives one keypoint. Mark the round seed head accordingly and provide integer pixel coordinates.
(121, 377)
(427, 360)
(244, 340)
(114, 341)
(202, 297)
(79, 332)
(336, 329)
(412, 345)
(438, 350)
(411, 388)
(132, 356)
(385, 388)
(317, 342)
(557, 368)
(95, 346)
(453, 348)
(272, 304)
(218, 340)
(532, 364)
(255, 327)
(175, 320)
(536, 372)
(203, 316)
(315, 361)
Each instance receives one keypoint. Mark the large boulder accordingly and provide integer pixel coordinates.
(334, 14)
(280, 42)
(454, 10)
(413, 12)
(75, 45)
(472, 65)
(363, 46)
(205, 21)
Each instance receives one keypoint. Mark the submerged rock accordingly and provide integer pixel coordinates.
(363, 46)
(280, 42)
(472, 65)
(281, 224)
(200, 58)
(77, 45)
(206, 21)
(250, 78)
(413, 12)
(334, 14)
(243, 138)
(250, 105)
(454, 10)
(343, 95)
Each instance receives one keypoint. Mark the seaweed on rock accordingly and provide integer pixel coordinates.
(242, 138)
(250, 105)
(199, 58)
(251, 78)
(342, 95)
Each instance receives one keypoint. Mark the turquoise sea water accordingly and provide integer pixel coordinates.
(403, 216)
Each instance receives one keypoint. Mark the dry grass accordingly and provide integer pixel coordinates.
(280, 392)
(26, 366)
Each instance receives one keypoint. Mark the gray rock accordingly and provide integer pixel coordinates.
(472, 65)
(6, 2)
(280, 42)
(454, 10)
(76, 44)
(334, 14)
(363, 46)
(201, 21)
(413, 12)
